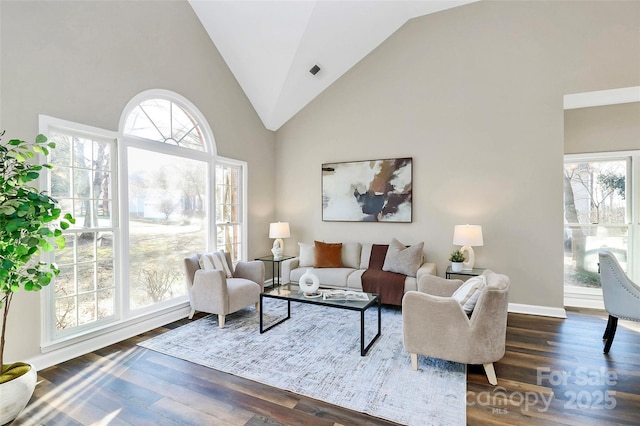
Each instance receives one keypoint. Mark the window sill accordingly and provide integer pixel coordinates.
(68, 347)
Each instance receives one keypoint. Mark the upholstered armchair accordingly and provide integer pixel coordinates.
(621, 295)
(221, 290)
(435, 323)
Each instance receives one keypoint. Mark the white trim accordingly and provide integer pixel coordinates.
(545, 311)
(622, 95)
(110, 336)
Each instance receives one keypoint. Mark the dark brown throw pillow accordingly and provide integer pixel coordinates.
(328, 255)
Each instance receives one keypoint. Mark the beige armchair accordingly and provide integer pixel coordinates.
(435, 324)
(211, 291)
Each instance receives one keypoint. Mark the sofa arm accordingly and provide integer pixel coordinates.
(426, 268)
(286, 266)
(438, 286)
(252, 271)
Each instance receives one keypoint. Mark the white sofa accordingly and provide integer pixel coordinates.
(355, 261)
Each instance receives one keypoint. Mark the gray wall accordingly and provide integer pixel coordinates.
(603, 128)
(83, 61)
(475, 95)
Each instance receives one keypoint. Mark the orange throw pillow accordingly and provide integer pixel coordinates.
(328, 255)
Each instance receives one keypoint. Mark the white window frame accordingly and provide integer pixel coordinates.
(130, 323)
(592, 297)
(243, 196)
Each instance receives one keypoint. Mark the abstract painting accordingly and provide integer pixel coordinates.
(367, 191)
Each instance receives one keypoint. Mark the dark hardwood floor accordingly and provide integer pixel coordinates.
(553, 373)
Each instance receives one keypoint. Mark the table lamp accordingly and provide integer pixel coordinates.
(468, 236)
(278, 230)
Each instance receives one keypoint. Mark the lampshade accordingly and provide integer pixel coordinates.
(467, 235)
(279, 230)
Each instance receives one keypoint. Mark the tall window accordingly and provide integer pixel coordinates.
(598, 199)
(174, 198)
(82, 180)
(229, 208)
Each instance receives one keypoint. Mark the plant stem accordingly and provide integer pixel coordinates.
(5, 314)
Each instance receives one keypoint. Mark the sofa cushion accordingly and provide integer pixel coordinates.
(403, 260)
(351, 255)
(328, 255)
(469, 292)
(307, 255)
(329, 277)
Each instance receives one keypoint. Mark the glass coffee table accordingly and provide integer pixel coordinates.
(292, 293)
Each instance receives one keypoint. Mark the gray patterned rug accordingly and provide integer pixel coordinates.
(317, 353)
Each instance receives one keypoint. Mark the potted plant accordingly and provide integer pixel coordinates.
(30, 223)
(456, 258)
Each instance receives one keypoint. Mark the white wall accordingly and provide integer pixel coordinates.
(475, 96)
(83, 61)
(602, 128)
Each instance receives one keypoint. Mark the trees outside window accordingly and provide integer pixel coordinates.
(597, 216)
(82, 180)
(174, 198)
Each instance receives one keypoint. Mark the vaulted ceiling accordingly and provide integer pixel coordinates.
(271, 46)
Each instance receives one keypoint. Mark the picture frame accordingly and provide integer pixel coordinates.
(368, 191)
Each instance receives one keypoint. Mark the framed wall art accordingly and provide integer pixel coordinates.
(367, 191)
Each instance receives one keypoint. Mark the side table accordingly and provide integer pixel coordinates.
(275, 267)
(467, 273)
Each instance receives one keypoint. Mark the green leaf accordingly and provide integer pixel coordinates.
(7, 210)
(41, 138)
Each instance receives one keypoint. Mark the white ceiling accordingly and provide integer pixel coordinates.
(270, 46)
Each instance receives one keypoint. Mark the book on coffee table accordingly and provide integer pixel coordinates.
(344, 295)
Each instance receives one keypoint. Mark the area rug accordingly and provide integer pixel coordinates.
(316, 353)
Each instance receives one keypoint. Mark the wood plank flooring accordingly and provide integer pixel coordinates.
(553, 373)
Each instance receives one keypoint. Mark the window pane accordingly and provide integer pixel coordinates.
(164, 121)
(86, 264)
(66, 313)
(167, 197)
(581, 247)
(596, 193)
(229, 209)
(595, 218)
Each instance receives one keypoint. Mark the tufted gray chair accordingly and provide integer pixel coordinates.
(621, 295)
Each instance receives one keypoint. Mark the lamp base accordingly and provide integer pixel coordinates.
(470, 258)
(278, 247)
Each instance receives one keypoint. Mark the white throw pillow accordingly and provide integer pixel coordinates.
(351, 255)
(469, 292)
(216, 260)
(403, 260)
(225, 265)
(206, 261)
(307, 255)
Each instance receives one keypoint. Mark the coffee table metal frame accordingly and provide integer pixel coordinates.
(293, 294)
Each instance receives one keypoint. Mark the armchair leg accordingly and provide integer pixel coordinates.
(491, 373)
(220, 320)
(609, 333)
(193, 311)
(257, 306)
(414, 362)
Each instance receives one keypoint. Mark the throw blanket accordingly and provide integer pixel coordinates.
(389, 285)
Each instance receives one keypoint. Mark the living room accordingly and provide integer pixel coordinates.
(474, 95)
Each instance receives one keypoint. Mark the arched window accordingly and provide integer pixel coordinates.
(163, 120)
(175, 198)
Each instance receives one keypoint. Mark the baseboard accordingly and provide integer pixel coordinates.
(545, 311)
(110, 337)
